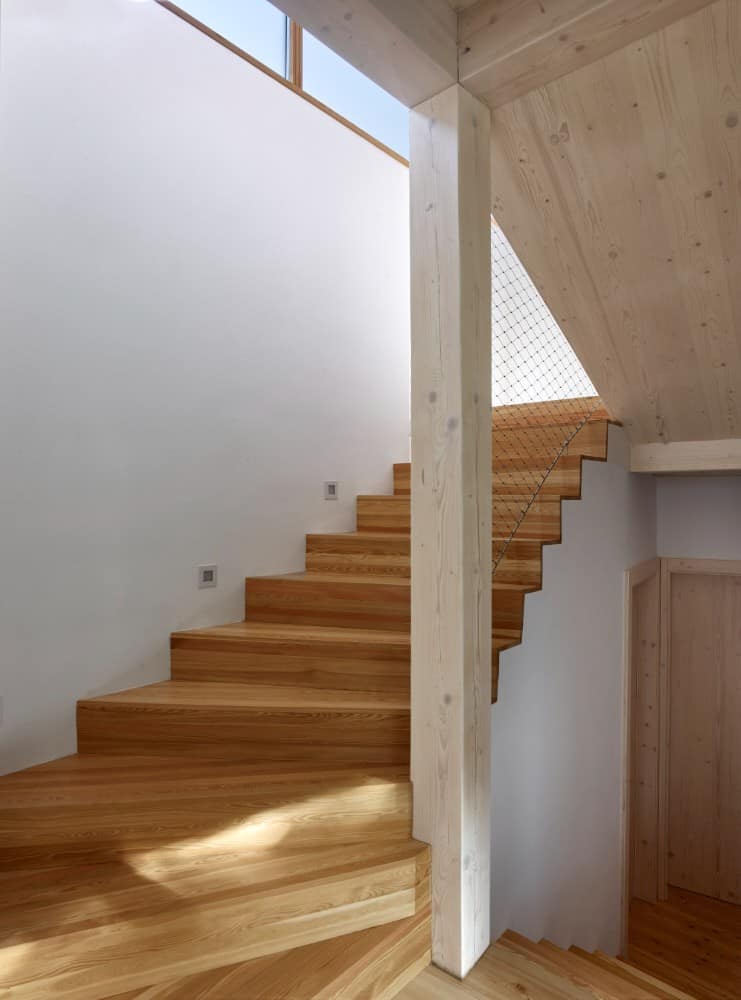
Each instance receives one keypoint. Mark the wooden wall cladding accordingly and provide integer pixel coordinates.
(618, 187)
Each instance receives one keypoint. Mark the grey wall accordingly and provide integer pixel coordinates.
(699, 517)
(558, 725)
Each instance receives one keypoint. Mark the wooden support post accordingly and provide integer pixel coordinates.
(451, 515)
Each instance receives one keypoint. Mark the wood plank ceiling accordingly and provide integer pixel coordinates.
(619, 186)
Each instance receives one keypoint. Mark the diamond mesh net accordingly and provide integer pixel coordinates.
(542, 396)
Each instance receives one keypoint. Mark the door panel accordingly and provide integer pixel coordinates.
(705, 735)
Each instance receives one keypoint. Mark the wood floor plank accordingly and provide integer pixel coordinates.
(691, 941)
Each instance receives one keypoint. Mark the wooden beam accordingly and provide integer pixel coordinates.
(451, 515)
(407, 48)
(687, 456)
(508, 49)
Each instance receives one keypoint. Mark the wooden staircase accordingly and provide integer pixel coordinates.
(517, 967)
(243, 829)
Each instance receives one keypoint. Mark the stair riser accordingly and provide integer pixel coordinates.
(521, 563)
(322, 736)
(532, 445)
(308, 602)
(238, 927)
(211, 662)
(357, 554)
(384, 514)
(507, 609)
(294, 815)
(508, 475)
(542, 521)
(350, 604)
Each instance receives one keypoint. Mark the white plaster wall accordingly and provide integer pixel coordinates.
(558, 723)
(699, 517)
(204, 311)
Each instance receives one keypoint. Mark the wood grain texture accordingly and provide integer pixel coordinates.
(509, 47)
(451, 527)
(705, 742)
(617, 187)
(97, 807)
(517, 967)
(215, 721)
(372, 964)
(687, 456)
(690, 942)
(357, 553)
(295, 655)
(338, 600)
(96, 931)
(408, 49)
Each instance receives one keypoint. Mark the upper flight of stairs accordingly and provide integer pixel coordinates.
(243, 829)
(517, 967)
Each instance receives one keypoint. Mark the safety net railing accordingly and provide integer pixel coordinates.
(541, 394)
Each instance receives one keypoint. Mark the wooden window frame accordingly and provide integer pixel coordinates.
(295, 66)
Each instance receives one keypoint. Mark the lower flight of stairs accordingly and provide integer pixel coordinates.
(243, 829)
(517, 967)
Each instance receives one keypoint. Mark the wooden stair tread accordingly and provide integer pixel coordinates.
(380, 958)
(238, 697)
(361, 579)
(247, 631)
(516, 967)
(182, 915)
(68, 895)
(634, 977)
(87, 777)
(365, 579)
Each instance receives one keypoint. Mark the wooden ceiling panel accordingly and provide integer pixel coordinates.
(619, 186)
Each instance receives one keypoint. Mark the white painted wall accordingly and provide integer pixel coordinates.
(699, 517)
(204, 310)
(558, 723)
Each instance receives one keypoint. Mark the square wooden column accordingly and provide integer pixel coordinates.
(451, 515)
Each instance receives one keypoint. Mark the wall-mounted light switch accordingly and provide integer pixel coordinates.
(207, 577)
(331, 491)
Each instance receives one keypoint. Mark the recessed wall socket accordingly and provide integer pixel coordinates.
(207, 576)
(331, 491)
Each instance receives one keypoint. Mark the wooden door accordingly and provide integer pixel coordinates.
(705, 735)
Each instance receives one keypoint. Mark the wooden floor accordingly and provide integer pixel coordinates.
(518, 969)
(691, 941)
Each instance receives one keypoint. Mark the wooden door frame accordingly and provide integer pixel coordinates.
(669, 568)
(633, 577)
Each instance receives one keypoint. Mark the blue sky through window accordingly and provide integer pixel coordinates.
(255, 26)
(260, 29)
(351, 94)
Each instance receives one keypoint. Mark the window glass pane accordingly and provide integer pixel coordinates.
(344, 89)
(255, 26)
